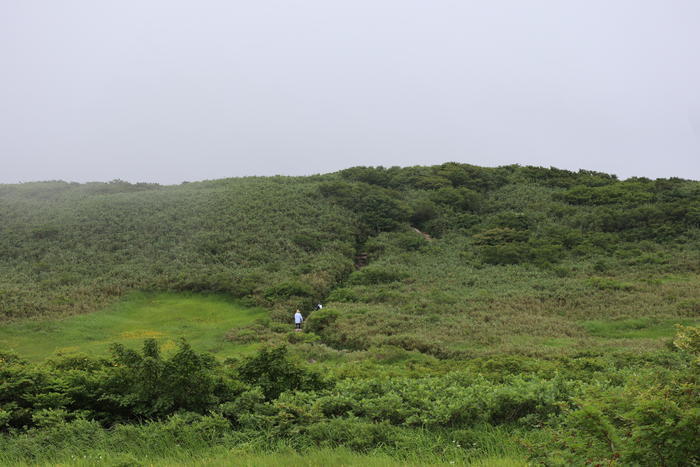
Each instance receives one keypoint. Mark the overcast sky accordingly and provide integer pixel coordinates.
(166, 91)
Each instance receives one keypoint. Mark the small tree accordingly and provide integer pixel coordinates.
(273, 372)
(145, 385)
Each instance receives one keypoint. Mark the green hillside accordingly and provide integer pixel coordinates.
(515, 313)
(518, 258)
(69, 248)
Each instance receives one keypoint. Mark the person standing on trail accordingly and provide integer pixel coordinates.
(298, 319)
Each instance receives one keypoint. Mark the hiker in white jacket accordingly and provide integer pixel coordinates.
(298, 319)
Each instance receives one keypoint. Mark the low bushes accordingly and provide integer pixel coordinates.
(136, 400)
(272, 372)
(458, 400)
(373, 275)
(138, 386)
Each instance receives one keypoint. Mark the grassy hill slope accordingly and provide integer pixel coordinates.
(512, 259)
(471, 314)
(69, 248)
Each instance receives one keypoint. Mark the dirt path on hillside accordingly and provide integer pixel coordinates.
(425, 235)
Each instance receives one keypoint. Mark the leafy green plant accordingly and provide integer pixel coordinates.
(688, 340)
(274, 373)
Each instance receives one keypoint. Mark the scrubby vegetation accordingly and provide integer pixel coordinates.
(514, 313)
(69, 248)
(571, 411)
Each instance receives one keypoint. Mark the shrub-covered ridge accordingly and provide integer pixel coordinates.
(469, 313)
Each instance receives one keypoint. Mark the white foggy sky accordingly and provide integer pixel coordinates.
(166, 91)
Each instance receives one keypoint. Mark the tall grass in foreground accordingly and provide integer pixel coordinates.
(84, 443)
(313, 458)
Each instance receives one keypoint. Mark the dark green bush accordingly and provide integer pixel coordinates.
(287, 290)
(145, 385)
(663, 434)
(343, 295)
(319, 320)
(355, 434)
(373, 275)
(273, 372)
(423, 211)
(509, 253)
(500, 236)
(408, 342)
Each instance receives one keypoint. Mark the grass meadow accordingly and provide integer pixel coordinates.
(203, 319)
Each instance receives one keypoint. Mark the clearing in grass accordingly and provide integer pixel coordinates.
(202, 319)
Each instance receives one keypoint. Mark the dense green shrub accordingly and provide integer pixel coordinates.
(378, 209)
(137, 386)
(688, 340)
(500, 236)
(320, 320)
(423, 211)
(509, 253)
(274, 373)
(287, 290)
(343, 295)
(373, 275)
(457, 400)
(462, 198)
(662, 433)
(355, 434)
(193, 403)
(145, 385)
